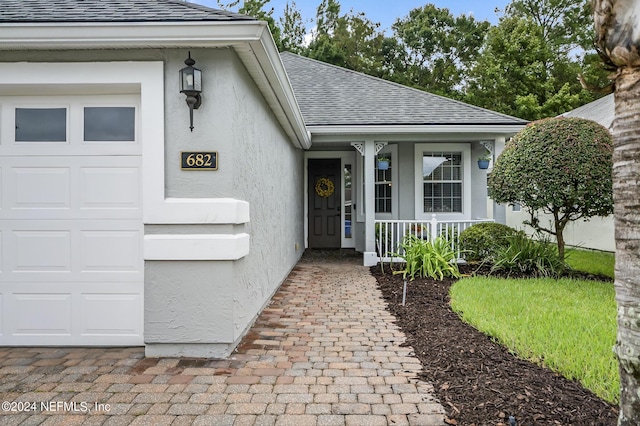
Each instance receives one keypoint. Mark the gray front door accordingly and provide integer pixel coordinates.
(324, 203)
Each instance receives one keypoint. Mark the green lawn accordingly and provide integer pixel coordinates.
(567, 325)
(593, 262)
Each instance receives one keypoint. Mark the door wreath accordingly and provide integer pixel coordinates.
(324, 187)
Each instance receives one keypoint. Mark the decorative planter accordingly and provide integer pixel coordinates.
(383, 165)
(483, 164)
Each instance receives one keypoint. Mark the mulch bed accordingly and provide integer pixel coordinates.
(477, 380)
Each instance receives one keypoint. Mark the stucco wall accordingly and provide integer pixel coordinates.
(213, 128)
(479, 182)
(256, 163)
(202, 308)
(269, 175)
(597, 233)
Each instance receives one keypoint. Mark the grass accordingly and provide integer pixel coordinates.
(592, 262)
(567, 325)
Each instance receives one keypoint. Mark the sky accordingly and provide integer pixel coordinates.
(386, 12)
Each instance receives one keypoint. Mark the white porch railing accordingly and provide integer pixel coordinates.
(390, 233)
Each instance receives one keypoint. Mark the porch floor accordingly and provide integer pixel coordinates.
(324, 352)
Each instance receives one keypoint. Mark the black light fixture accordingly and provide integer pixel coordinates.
(191, 85)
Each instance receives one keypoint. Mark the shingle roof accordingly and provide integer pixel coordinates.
(110, 11)
(601, 111)
(331, 95)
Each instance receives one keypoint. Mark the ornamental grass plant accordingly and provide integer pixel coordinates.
(524, 257)
(422, 258)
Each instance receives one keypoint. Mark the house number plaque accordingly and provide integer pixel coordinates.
(199, 160)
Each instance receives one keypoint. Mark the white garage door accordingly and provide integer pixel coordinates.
(71, 268)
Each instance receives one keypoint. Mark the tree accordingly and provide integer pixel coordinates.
(558, 166)
(567, 28)
(565, 24)
(618, 42)
(350, 40)
(255, 8)
(531, 61)
(327, 17)
(438, 48)
(512, 75)
(292, 29)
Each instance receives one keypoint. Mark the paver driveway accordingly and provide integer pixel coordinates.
(324, 352)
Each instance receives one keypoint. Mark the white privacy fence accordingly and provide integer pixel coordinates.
(391, 233)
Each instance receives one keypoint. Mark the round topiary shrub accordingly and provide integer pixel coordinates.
(482, 240)
(558, 166)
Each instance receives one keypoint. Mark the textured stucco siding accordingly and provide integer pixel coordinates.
(597, 234)
(202, 308)
(406, 184)
(269, 175)
(188, 302)
(214, 129)
(479, 184)
(257, 164)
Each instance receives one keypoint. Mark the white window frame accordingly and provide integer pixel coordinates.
(35, 103)
(465, 149)
(394, 164)
(117, 102)
(74, 105)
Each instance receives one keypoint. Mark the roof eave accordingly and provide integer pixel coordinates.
(264, 56)
(103, 35)
(471, 129)
(251, 40)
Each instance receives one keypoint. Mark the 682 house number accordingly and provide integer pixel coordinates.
(199, 160)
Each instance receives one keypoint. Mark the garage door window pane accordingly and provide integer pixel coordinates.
(41, 124)
(109, 124)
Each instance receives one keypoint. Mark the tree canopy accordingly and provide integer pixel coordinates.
(293, 29)
(437, 48)
(527, 65)
(350, 40)
(531, 60)
(559, 166)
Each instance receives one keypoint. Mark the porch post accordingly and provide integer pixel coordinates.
(370, 255)
(499, 210)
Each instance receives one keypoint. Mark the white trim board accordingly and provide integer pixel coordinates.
(196, 247)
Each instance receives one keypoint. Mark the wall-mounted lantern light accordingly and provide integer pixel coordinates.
(191, 85)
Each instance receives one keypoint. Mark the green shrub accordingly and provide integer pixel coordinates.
(561, 165)
(522, 256)
(424, 258)
(480, 241)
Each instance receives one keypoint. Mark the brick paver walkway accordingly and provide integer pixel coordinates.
(324, 352)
